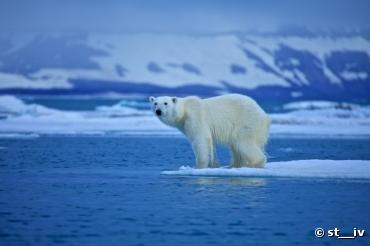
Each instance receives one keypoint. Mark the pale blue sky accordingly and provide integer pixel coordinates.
(191, 16)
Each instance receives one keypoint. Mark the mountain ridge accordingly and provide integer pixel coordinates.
(280, 66)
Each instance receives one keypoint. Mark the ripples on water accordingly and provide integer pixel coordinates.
(109, 191)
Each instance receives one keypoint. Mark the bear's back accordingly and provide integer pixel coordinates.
(233, 103)
(226, 114)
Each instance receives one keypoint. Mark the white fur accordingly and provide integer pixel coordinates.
(233, 120)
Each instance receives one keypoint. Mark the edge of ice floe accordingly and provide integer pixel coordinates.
(334, 169)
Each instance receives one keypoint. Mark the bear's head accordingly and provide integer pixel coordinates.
(169, 110)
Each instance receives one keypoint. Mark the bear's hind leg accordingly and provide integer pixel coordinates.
(256, 158)
(235, 157)
(251, 155)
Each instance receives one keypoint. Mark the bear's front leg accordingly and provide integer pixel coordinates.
(201, 141)
(203, 150)
(214, 163)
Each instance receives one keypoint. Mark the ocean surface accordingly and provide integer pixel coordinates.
(109, 190)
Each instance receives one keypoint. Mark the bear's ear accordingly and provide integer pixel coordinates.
(174, 99)
(151, 99)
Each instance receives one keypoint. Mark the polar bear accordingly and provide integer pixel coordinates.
(233, 120)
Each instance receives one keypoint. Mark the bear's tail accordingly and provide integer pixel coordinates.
(266, 131)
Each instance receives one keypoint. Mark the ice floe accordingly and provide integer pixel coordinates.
(337, 169)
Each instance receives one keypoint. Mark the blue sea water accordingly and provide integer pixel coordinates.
(109, 191)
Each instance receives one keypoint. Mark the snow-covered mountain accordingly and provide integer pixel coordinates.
(274, 66)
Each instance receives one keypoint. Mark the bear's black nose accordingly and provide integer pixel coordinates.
(158, 112)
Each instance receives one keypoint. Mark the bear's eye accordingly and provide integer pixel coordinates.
(165, 103)
(155, 104)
